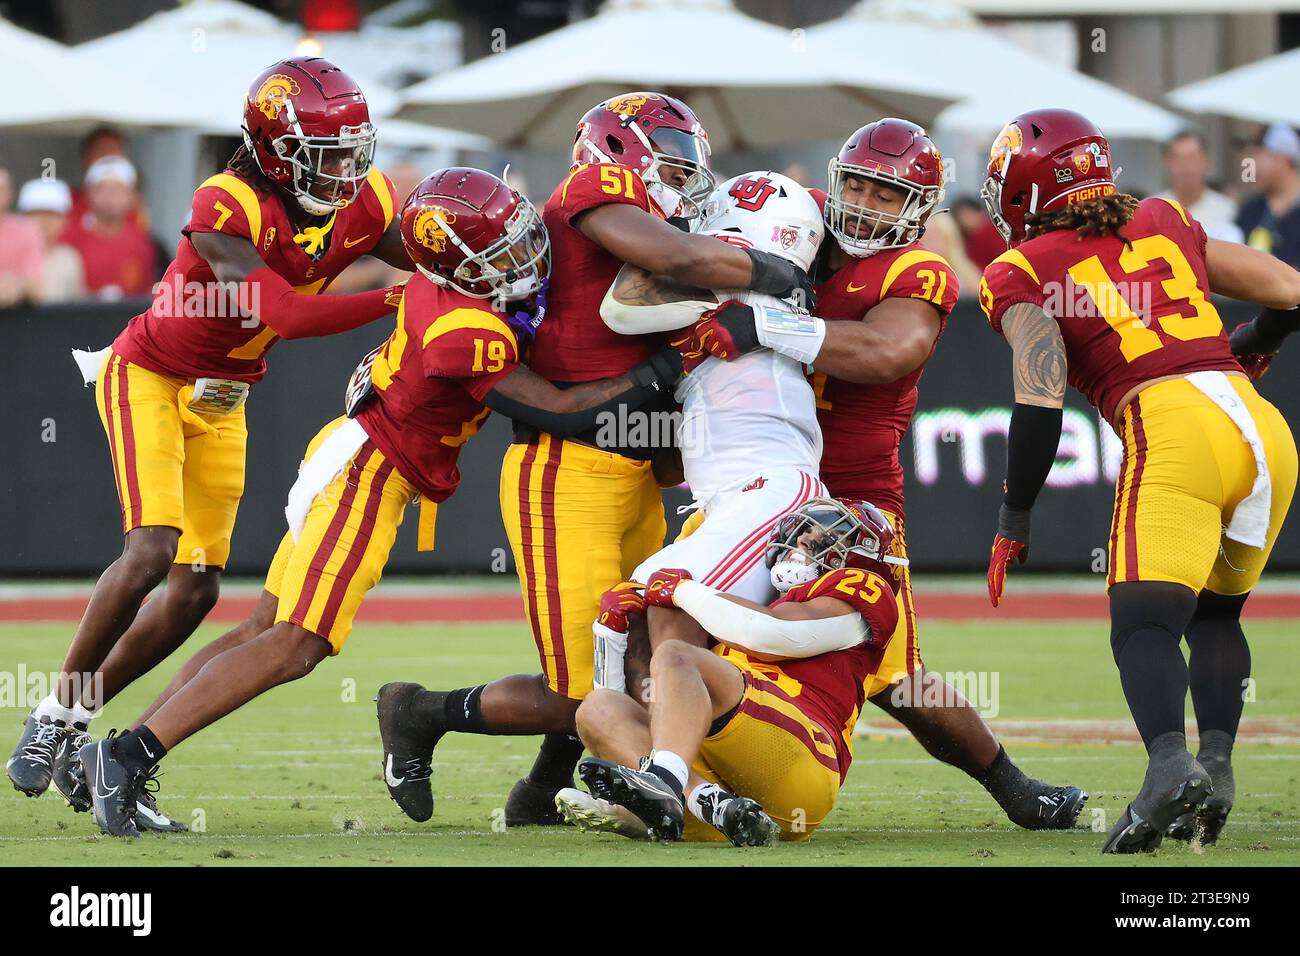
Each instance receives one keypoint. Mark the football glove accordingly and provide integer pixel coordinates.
(661, 587)
(619, 604)
(727, 332)
(1010, 545)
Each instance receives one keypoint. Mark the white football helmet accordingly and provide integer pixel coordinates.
(766, 211)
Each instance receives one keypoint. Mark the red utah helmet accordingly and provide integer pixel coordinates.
(825, 534)
(466, 229)
(1041, 161)
(308, 127)
(898, 154)
(657, 136)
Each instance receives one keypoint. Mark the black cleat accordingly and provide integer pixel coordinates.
(530, 805)
(113, 789)
(745, 823)
(408, 754)
(148, 818)
(639, 791)
(1205, 825)
(1146, 820)
(67, 777)
(1049, 808)
(32, 763)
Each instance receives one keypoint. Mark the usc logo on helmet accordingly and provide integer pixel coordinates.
(1009, 141)
(430, 228)
(272, 94)
(628, 105)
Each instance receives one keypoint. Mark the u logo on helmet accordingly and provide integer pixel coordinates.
(628, 105)
(273, 92)
(431, 227)
(1010, 140)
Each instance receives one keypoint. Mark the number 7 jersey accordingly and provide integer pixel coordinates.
(1128, 313)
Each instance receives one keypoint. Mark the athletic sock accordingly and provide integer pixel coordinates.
(1005, 782)
(51, 708)
(459, 711)
(671, 769)
(139, 749)
(1218, 668)
(1154, 677)
(81, 717)
(705, 801)
(1215, 755)
(556, 760)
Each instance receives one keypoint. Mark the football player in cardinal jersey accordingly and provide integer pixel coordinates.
(295, 206)
(582, 512)
(1209, 466)
(882, 302)
(759, 728)
(482, 253)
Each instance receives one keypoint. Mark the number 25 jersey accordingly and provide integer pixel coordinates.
(1128, 312)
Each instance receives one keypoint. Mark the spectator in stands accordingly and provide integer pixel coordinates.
(118, 255)
(47, 203)
(21, 253)
(1270, 220)
(981, 238)
(1187, 168)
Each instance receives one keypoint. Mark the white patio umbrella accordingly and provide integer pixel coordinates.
(751, 83)
(944, 42)
(54, 90)
(212, 50)
(1264, 92)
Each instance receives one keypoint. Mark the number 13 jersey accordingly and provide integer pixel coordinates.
(1128, 311)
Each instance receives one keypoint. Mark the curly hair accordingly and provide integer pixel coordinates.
(244, 165)
(1104, 216)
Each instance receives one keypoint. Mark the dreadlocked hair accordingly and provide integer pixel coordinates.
(244, 165)
(1104, 216)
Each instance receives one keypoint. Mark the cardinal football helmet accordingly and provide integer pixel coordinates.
(308, 127)
(1041, 161)
(657, 136)
(898, 154)
(825, 534)
(466, 229)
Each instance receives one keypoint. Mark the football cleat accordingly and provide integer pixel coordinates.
(408, 755)
(148, 818)
(113, 789)
(532, 806)
(1205, 825)
(648, 797)
(745, 823)
(1141, 829)
(1049, 808)
(32, 764)
(67, 776)
(594, 815)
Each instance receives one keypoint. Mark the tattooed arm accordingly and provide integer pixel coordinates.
(1038, 355)
(1038, 371)
(640, 302)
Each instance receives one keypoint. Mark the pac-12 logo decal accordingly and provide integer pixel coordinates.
(431, 227)
(273, 92)
(1083, 163)
(750, 193)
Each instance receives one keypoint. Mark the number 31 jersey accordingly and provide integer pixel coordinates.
(1128, 312)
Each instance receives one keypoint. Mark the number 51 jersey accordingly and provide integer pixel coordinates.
(1128, 311)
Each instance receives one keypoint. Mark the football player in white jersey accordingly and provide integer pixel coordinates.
(749, 438)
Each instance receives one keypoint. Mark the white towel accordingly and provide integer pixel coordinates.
(326, 463)
(1249, 523)
(90, 362)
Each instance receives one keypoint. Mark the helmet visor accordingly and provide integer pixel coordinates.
(682, 164)
(332, 168)
(822, 533)
(514, 266)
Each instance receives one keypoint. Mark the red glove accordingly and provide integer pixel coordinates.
(662, 586)
(620, 603)
(728, 331)
(685, 342)
(1256, 364)
(1005, 551)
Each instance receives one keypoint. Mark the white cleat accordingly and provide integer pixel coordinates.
(600, 816)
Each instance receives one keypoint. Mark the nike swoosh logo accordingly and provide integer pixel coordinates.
(145, 747)
(854, 288)
(101, 794)
(349, 243)
(388, 774)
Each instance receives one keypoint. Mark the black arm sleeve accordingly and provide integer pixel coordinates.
(1031, 449)
(1265, 333)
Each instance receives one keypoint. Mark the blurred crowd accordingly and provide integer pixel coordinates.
(60, 243)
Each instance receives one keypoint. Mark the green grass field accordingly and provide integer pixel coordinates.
(295, 778)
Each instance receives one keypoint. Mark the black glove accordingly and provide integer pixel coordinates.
(660, 371)
(1264, 334)
(773, 275)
